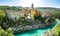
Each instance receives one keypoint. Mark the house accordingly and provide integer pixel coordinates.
(46, 14)
(24, 12)
(13, 14)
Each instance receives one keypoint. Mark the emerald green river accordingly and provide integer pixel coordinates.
(38, 32)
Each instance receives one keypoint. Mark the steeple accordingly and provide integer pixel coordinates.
(32, 6)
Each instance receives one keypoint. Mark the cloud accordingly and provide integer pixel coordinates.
(27, 3)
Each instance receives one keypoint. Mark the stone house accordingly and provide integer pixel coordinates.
(13, 14)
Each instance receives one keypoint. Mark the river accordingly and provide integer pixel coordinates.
(37, 32)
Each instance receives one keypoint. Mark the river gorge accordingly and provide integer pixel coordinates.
(36, 32)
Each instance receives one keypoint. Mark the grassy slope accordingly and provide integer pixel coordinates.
(48, 9)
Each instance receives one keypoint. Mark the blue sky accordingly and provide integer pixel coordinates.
(27, 3)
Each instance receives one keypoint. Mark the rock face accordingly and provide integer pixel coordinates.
(17, 29)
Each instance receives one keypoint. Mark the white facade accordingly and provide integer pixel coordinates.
(46, 14)
(13, 14)
(28, 16)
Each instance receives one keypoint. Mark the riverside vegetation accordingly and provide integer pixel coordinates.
(7, 32)
(53, 32)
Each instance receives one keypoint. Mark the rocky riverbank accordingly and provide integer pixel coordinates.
(17, 29)
(55, 31)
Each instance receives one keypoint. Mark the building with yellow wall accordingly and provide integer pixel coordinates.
(32, 12)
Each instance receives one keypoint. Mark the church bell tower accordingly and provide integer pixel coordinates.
(32, 6)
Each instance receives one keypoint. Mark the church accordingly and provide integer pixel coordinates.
(23, 13)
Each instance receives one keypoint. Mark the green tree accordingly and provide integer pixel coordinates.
(8, 32)
(50, 20)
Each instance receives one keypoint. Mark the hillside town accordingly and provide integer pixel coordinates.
(29, 17)
(30, 13)
(25, 19)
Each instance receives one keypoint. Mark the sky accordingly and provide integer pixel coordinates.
(27, 3)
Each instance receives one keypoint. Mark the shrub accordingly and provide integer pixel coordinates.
(6, 33)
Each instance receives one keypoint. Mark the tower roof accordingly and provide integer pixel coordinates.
(32, 6)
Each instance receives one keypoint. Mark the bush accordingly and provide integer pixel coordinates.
(50, 20)
(6, 33)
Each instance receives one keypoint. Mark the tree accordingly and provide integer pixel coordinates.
(6, 33)
(9, 30)
(50, 20)
(37, 15)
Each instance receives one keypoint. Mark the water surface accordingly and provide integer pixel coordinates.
(38, 32)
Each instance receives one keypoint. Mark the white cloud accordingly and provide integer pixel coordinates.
(27, 3)
(37, 3)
